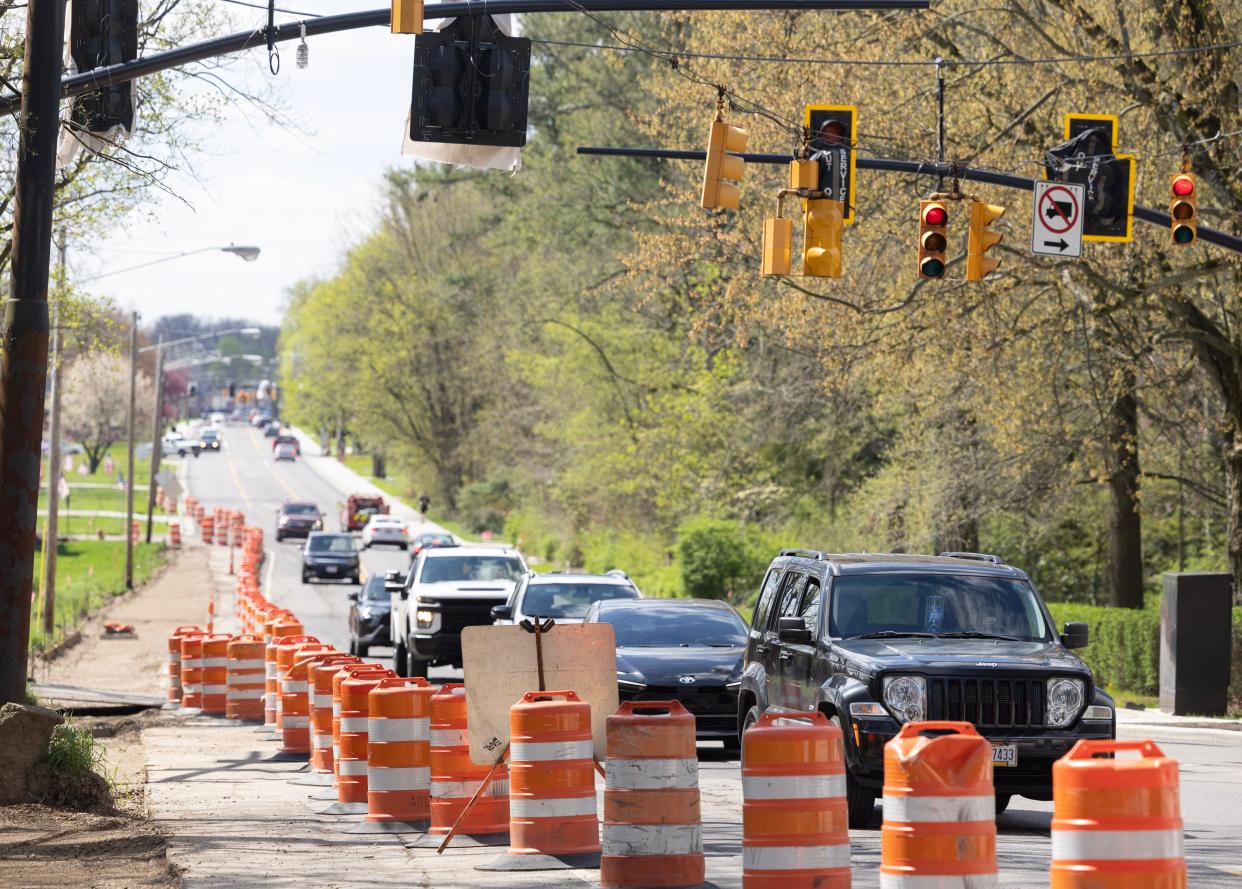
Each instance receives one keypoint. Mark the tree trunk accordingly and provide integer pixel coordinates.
(378, 469)
(1233, 488)
(1126, 531)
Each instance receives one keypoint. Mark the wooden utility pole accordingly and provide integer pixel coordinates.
(129, 450)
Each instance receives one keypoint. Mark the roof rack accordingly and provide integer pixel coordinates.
(979, 557)
(804, 553)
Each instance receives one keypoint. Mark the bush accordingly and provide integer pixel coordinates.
(1125, 644)
(644, 557)
(74, 750)
(720, 559)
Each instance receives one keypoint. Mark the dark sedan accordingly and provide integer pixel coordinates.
(297, 520)
(434, 538)
(369, 616)
(690, 650)
(330, 556)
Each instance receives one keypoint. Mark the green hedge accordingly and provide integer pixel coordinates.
(1125, 646)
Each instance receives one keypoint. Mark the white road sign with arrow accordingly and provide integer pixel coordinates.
(1057, 227)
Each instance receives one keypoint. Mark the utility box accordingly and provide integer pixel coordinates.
(1195, 643)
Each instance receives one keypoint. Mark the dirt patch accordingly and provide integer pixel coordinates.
(46, 847)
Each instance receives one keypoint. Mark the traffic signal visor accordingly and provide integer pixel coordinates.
(981, 239)
(1184, 209)
(933, 222)
(721, 167)
(824, 220)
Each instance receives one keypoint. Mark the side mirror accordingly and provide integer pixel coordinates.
(502, 612)
(793, 629)
(352, 595)
(394, 576)
(1075, 635)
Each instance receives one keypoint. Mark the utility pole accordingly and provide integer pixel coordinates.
(23, 358)
(51, 534)
(129, 471)
(157, 422)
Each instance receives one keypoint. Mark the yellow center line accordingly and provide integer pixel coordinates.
(241, 489)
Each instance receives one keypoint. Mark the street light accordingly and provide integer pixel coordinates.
(248, 254)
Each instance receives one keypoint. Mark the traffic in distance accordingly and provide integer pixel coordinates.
(871, 640)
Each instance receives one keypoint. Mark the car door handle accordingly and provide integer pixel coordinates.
(785, 655)
(760, 648)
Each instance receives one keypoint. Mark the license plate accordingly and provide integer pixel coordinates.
(331, 569)
(1004, 755)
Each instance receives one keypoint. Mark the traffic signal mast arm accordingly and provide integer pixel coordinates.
(919, 168)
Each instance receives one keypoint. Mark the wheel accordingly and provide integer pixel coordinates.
(353, 646)
(418, 668)
(859, 800)
(360, 649)
(354, 579)
(1002, 802)
(181, 453)
(733, 745)
(751, 717)
(401, 660)
(366, 545)
(279, 537)
(404, 547)
(305, 577)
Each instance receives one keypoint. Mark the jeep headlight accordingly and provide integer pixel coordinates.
(1064, 701)
(905, 697)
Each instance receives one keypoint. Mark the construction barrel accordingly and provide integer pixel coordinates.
(215, 665)
(246, 669)
(939, 808)
(321, 674)
(399, 751)
(795, 832)
(352, 753)
(192, 671)
(455, 777)
(173, 677)
(653, 828)
(295, 736)
(1116, 819)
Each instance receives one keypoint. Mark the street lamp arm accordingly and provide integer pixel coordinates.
(245, 331)
(248, 254)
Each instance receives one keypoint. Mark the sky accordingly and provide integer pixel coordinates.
(302, 197)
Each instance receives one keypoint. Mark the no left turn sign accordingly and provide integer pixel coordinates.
(1056, 229)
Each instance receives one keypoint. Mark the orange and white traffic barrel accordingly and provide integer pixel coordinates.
(215, 665)
(246, 669)
(288, 650)
(455, 778)
(207, 525)
(271, 679)
(192, 671)
(352, 759)
(552, 809)
(939, 808)
(1116, 822)
(295, 736)
(174, 534)
(653, 828)
(173, 676)
(398, 756)
(337, 678)
(321, 674)
(795, 831)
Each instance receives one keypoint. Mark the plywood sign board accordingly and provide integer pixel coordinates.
(500, 666)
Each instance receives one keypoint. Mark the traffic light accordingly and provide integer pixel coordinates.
(981, 239)
(721, 166)
(1184, 209)
(407, 17)
(102, 33)
(933, 240)
(821, 257)
(471, 85)
(777, 246)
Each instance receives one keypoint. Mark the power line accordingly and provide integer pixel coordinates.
(263, 6)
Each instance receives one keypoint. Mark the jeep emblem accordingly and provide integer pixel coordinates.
(686, 680)
(986, 664)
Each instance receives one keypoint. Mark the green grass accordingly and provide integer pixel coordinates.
(88, 573)
(1122, 697)
(74, 750)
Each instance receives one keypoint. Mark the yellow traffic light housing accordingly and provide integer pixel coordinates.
(721, 167)
(981, 239)
(407, 17)
(933, 238)
(777, 246)
(822, 226)
(1184, 209)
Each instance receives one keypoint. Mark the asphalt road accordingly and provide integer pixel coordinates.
(244, 477)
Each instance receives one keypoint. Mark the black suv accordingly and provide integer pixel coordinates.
(875, 640)
(330, 556)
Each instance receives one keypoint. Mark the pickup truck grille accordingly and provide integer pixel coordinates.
(461, 613)
(987, 702)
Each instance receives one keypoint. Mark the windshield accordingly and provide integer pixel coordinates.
(570, 599)
(301, 509)
(331, 543)
(454, 568)
(375, 590)
(936, 604)
(209, 434)
(675, 627)
(434, 540)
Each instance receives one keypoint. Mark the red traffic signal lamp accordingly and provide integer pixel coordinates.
(981, 238)
(721, 166)
(1184, 209)
(933, 238)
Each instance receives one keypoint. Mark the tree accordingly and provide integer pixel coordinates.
(96, 403)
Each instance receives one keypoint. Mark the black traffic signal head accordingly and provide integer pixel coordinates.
(471, 85)
(933, 238)
(102, 33)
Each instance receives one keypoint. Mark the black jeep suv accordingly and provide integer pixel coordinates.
(877, 640)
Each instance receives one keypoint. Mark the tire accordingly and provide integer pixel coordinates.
(419, 668)
(1002, 802)
(733, 746)
(859, 800)
(305, 577)
(279, 537)
(353, 646)
(366, 545)
(751, 717)
(360, 649)
(354, 580)
(405, 547)
(401, 660)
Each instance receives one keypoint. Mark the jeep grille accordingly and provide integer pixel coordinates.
(987, 703)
